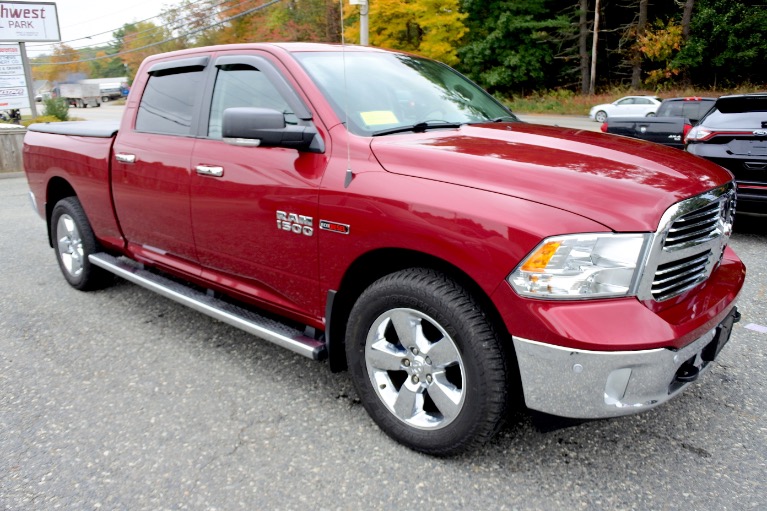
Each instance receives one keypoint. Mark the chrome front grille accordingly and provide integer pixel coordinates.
(696, 227)
(689, 244)
(676, 277)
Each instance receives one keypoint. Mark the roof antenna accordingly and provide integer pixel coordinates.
(349, 172)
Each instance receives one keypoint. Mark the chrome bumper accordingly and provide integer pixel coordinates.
(599, 384)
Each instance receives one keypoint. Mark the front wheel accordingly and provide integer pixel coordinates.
(601, 116)
(74, 241)
(426, 363)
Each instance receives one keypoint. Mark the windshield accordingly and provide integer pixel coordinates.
(383, 92)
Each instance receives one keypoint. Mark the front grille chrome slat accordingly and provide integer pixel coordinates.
(699, 235)
(706, 225)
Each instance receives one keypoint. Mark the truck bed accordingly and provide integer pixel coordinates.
(98, 129)
(83, 160)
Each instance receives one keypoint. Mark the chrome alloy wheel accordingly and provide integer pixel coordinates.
(69, 245)
(415, 368)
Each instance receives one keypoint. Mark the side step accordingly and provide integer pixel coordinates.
(249, 321)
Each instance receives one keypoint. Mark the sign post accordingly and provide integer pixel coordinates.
(21, 22)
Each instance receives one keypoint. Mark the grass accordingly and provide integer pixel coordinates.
(567, 102)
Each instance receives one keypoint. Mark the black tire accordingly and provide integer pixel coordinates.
(73, 242)
(449, 394)
(600, 116)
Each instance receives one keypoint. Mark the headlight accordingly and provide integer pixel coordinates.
(581, 266)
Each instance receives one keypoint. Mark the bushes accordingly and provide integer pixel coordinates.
(56, 107)
(42, 118)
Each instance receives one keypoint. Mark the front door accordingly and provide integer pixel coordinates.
(254, 209)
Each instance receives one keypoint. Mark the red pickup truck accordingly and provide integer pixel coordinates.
(380, 210)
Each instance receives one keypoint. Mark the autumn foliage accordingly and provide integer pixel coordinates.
(508, 46)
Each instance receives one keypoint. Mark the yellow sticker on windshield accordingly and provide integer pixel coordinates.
(378, 117)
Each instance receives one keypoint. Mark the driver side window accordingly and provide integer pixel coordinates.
(241, 85)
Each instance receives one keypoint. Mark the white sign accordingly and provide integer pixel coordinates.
(24, 21)
(13, 85)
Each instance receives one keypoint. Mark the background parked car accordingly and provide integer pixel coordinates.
(630, 106)
(673, 120)
(734, 135)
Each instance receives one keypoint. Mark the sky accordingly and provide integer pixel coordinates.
(81, 22)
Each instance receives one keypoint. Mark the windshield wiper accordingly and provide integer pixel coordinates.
(505, 118)
(419, 127)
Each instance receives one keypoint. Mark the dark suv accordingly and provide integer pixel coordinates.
(734, 135)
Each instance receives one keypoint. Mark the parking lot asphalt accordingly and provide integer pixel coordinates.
(123, 400)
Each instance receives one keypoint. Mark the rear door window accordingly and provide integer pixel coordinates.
(168, 103)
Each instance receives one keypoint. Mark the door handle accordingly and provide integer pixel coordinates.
(125, 158)
(207, 170)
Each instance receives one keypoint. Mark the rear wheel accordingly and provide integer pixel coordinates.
(427, 364)
(73, 241)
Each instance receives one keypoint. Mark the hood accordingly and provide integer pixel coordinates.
(624, 184)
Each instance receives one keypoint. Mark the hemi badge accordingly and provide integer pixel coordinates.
(326, 225)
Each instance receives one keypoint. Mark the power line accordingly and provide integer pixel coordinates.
(198, 30)
(178, 22)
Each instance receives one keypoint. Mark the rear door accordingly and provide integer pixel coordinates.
(255, 209)
(151, 165)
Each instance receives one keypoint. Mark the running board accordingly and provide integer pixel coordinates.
(249, 321)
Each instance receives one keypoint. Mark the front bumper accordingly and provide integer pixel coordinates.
(586, 384)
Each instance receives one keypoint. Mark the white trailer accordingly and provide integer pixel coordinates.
(81, 95)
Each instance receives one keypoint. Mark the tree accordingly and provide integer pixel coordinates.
(661, 44)
(726, 43)
(583, 44)
(64, 65)
(142, 39)
(512, 44)
(432, 28)
(636, 60)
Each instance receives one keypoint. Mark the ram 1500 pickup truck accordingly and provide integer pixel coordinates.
(380, 210)
(674, 119)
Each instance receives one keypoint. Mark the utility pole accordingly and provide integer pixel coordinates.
(364, 9)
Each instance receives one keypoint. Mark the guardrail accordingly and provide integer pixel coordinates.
(11, 146)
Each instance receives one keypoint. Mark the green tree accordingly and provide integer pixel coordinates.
(727, 43)
(512, 44)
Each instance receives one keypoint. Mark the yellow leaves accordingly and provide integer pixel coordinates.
(64, 63)
(143, 39)
(661, 44)
(432, 28)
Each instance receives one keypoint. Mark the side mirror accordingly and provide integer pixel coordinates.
(266, 127)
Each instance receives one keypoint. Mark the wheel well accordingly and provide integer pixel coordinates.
(58, 188)
(374, 265)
